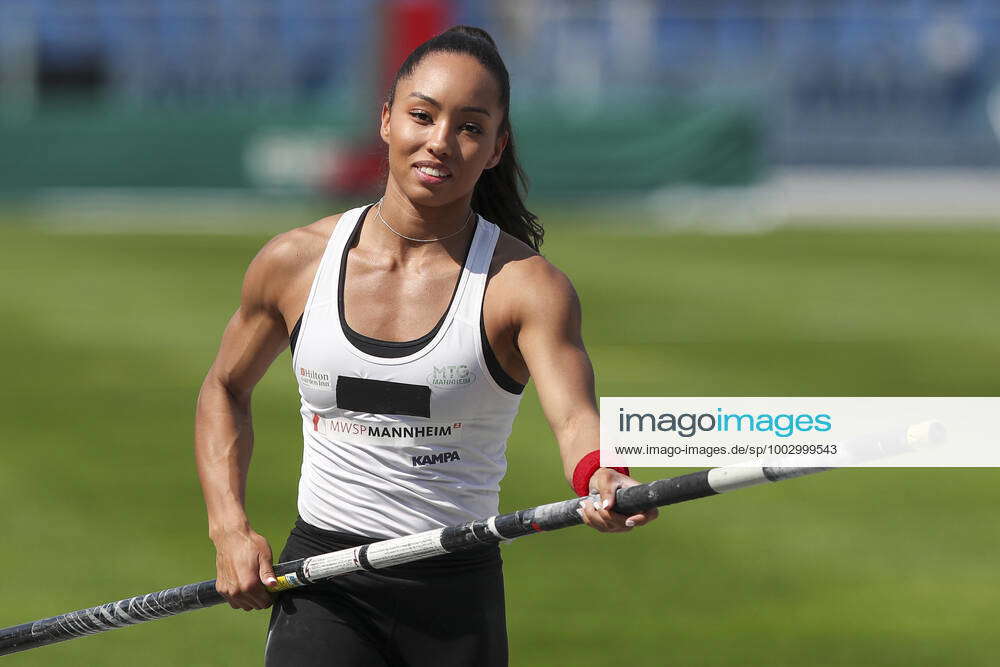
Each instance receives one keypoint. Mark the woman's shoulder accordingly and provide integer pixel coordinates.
(286, 260)
(518, 260)
(296, 247)
(522, 273)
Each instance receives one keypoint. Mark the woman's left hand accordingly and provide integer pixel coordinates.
(606, 481)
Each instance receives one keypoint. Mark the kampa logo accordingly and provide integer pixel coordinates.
(431, 459)
(451, 376)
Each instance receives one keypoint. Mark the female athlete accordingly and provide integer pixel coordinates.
(414, 324)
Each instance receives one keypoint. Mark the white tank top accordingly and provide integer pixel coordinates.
(395, 446)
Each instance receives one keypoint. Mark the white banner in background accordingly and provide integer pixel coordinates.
(698, 432)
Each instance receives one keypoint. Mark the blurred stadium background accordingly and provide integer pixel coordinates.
(795, 197)
(783, 103)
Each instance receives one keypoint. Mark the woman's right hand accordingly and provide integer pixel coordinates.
(243, 568)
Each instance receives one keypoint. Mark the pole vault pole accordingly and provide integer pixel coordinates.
(397, 551)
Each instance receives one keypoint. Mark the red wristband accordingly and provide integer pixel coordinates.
(586, 468)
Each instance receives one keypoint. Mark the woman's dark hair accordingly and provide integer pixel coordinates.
(497, 195)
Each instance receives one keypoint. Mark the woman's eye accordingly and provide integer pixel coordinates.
(425, 117)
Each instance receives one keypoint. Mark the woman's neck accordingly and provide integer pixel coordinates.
(437, 227)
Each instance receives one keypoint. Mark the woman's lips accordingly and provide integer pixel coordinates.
(431, 175)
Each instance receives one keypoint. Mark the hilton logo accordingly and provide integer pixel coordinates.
(451, 376)
(312, 378)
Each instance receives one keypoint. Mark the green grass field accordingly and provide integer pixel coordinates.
(107, 338)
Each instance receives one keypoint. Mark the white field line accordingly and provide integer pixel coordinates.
(801, 197)
(836, 198)
(170, 211)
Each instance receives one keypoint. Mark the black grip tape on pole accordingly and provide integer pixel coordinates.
(662, 492)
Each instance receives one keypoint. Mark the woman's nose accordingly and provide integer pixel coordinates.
(437, 143)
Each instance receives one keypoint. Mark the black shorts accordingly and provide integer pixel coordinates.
(446, 610)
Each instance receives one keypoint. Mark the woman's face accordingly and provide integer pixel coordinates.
(443, 129)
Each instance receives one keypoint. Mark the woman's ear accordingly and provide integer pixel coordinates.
(498, 150)
(384, 125)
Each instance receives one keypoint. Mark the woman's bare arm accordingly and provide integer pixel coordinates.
(550, 341)
(255, 336)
